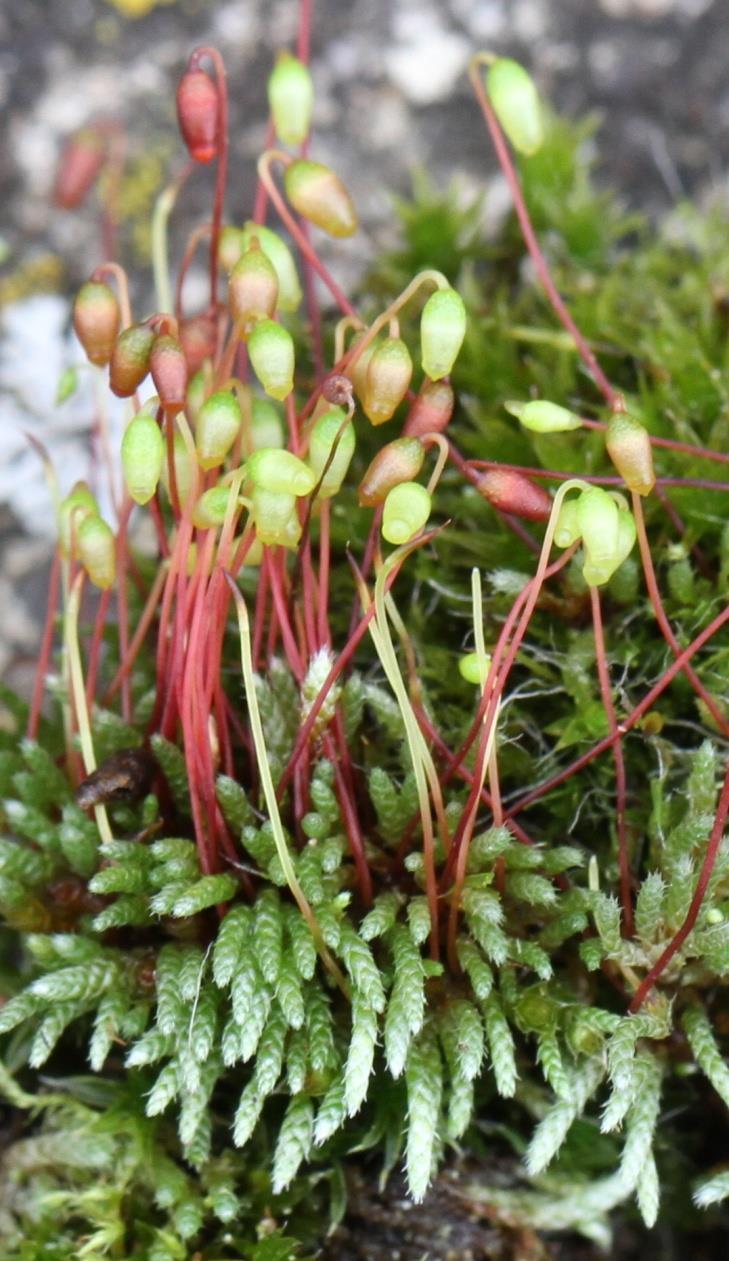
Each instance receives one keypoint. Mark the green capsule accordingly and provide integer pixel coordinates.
(442, 330)
(541, 416)
(329, 429)
(210, 509)
(567, 530)
(475, 668)
(218, 426)
(280, 472)
(267, 427)
(278, 252)
(291, 99)
(197, 389)
(231, 244)
(275, 518)
(516, 104)
(597, 572)
(597, 515)
(142, 454)
(271, 352)
(319, 195)
(406, 511)
(97, 551)
(78, 503)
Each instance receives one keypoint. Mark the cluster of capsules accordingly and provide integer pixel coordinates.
(203, 415)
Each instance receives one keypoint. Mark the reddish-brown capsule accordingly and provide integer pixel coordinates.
(81, 161)
(169, 372)
(396, 462)
(96, 320)
(197, 114)
(198, 337)
(130, 359)
(430, 410)
(513, 493)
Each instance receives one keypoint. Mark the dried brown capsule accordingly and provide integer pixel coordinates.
(430, 410)
(80, 164)
(125, 776)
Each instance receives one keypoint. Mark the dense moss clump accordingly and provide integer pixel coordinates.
(289, 889)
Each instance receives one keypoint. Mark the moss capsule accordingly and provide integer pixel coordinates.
(629, 447)
(319, 195)
(197, 114)
(430, 410)
(407, 508)
(331, 428)
(96, 320)
(541, 416)
(516, 104)
(97, 551)
(129, 363)
(291, 98)
(396, 462)
(442, 330)
(389, 372)
(252, 288)
(278, 252)
(280, 472)
(271, 351)
(218, 425)
(142, 454)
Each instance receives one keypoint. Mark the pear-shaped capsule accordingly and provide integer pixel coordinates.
(567, 528)
(319, 195)
(280, 472)
(430, 410)
(516, 104)
(129, 363)
(252, 288)
(514, 493)
(291, 99)
(218, 425)
(168, 366)
(81, 162)
(231, 244)
(274, 516)
(96, 320)
(388, 376)
(331, 447)
(278, 252)
(629, 447)
(143, 455)
(597, 515)
(407, 508)
(267, 427)
(78, 503)
(442, 330)
(97, 551)
(541, 416)
(396, 462)
(197, 114)
(210, 509)
(198, 338)
(271, 352)
(597, 570)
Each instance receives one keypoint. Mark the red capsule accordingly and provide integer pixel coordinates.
(81, 161)
(96, 320)
(513, 493)
(169, 372)
(197, 114)
(198, 338)
(130, 359)
(430, 410)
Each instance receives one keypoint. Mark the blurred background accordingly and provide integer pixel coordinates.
(392, 97)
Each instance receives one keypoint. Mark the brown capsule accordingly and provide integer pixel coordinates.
(197, 114)
(629, 447)
(513, 493)
(125, 776)
(430, 410)
(96, 320)
(130, 359)
(169, 372)
(337, 389)
(198, 336)
(397, 462)
(80, 164)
